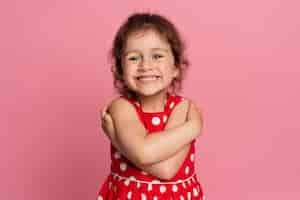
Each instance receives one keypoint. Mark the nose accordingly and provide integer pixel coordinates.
(146, 65)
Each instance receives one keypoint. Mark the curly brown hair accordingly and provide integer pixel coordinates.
(145, 21)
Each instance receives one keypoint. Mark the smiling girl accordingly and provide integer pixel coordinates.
(152, 129)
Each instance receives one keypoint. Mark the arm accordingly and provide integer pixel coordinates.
(168, 168)
(143, 149)
(165, 169)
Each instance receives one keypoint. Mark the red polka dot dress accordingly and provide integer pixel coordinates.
(126, 181)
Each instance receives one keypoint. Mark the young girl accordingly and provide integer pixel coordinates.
(151, 128)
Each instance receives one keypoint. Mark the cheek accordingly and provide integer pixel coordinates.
(129, 68)
(167, 78)
(128, 77)
(169, 71)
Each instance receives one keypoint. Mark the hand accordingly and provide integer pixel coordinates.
(107, 123)
(194, 116)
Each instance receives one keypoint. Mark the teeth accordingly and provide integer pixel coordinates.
(147, 78)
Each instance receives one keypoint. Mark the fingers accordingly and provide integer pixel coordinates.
(193, 112)
(191, 109)
(105, 116)
(103, 112)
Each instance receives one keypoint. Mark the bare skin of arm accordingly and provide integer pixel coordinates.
(143, 148)
(164, 169)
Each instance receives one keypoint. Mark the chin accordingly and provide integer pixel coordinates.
(148, 92)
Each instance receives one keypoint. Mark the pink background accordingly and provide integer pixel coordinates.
(55, 77)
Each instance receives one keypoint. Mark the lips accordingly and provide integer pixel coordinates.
(148, 77)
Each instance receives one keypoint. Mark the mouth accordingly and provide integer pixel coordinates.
(148, 78)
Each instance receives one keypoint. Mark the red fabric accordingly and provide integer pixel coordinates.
(116, 188)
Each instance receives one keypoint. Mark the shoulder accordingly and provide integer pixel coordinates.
(120, 106)
(181, 108)
(182, 101)
(179, 114)
(186, 103)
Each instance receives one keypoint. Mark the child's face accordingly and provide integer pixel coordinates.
(148, 63)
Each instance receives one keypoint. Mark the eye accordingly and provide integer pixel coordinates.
(133, 58)
(157, 56)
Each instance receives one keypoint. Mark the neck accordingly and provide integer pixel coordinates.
(153, 103)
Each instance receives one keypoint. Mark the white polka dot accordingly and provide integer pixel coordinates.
(165, 118)
(123, 166)
(195, 192)
(132, 178)
(149, 187)
(144, 196)
(155, 181)
(155, 120)
(183, 184)
(181, 197)
(162, 189)
(100, 197)
(126, 182)
(129, 194)
(155, 198)
(179, 181)
(138, 185)
(187, 170)
(174, 188)
(189, 196)
(117, 155)
(192, 157)
(172, 105)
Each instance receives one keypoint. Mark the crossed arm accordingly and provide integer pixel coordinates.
(168, 160)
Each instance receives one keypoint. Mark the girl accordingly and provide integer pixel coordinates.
(152, 129)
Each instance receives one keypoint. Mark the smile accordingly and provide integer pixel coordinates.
(148, 78)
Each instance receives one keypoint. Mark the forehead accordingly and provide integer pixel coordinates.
(145, 39)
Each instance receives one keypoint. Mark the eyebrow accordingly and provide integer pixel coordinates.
(152, 49)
